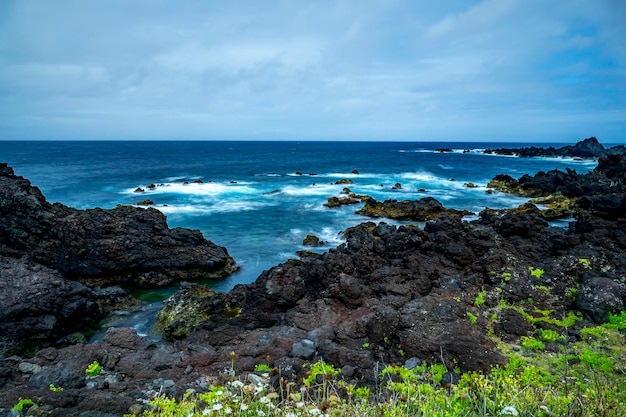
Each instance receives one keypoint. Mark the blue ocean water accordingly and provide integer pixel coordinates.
(261, 199)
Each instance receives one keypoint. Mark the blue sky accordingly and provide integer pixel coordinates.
(493, 70)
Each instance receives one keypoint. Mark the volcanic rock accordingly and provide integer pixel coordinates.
(426, 208)
(103, 247)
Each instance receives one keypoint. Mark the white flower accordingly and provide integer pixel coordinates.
(243, 407)
(260, 413)
(509, 411)
(228, 410)
(218, 393)
(206, 412)
(264, 400)
(217, 407)
(315, 411)
(236, 384)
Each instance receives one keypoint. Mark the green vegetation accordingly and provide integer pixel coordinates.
(480, 298)
(22, 402)
(93, 369)
(532, 343)
(571, 293)
(473, 318)
(551, 376)
(586, 379)
(54, 388)
(548, 335)
(262, 367)
(536, 272)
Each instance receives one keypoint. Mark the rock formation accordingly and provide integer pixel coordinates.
(55, 262)
(587, 149)
(426, 208)
(387, 295)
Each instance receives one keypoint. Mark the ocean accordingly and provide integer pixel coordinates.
(261, 199)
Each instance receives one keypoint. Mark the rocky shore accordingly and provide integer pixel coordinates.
(387, 295)
(61, 268)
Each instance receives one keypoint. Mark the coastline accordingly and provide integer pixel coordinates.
(367, 291)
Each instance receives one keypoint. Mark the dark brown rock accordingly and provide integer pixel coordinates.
(426, 208)
(97, 246)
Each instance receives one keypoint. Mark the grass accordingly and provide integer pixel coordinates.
(584, 378)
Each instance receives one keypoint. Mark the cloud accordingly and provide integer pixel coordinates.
(396, 69)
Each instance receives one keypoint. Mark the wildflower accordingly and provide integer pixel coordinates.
(228, 410)
(218, 393)
(236, 384)
(509, 411)
(243, 407)
(315, 411)
(206, 412)
(260, 413)
(217, 407)
(264, 400)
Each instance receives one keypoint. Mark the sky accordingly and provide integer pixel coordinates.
(401, 70)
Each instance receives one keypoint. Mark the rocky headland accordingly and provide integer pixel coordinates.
(389, 294)
(61, 268)
(589, 148)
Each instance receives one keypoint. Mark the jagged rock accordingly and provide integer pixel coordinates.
(336, 201)
(311, 240)
(344, 181)
(426, 208)
(304, 349)
(97, 246)
(599, 296)
(386, 287)
(38, 306)
(184, 310)
(587, 148)
(601, 192)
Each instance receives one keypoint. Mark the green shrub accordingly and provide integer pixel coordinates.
(536, 272)
(531, 343)
(93, 369)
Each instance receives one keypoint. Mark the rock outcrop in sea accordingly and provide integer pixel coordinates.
(387, 295)
(587, 149)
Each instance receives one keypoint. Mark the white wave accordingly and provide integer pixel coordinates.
(330, 236)
(268, 175)
(221, 207)
(420, 176)
(311, 190)
(350, 175)
(203, 189)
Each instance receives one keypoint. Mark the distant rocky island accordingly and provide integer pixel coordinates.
(389, 294)
(588, 148)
